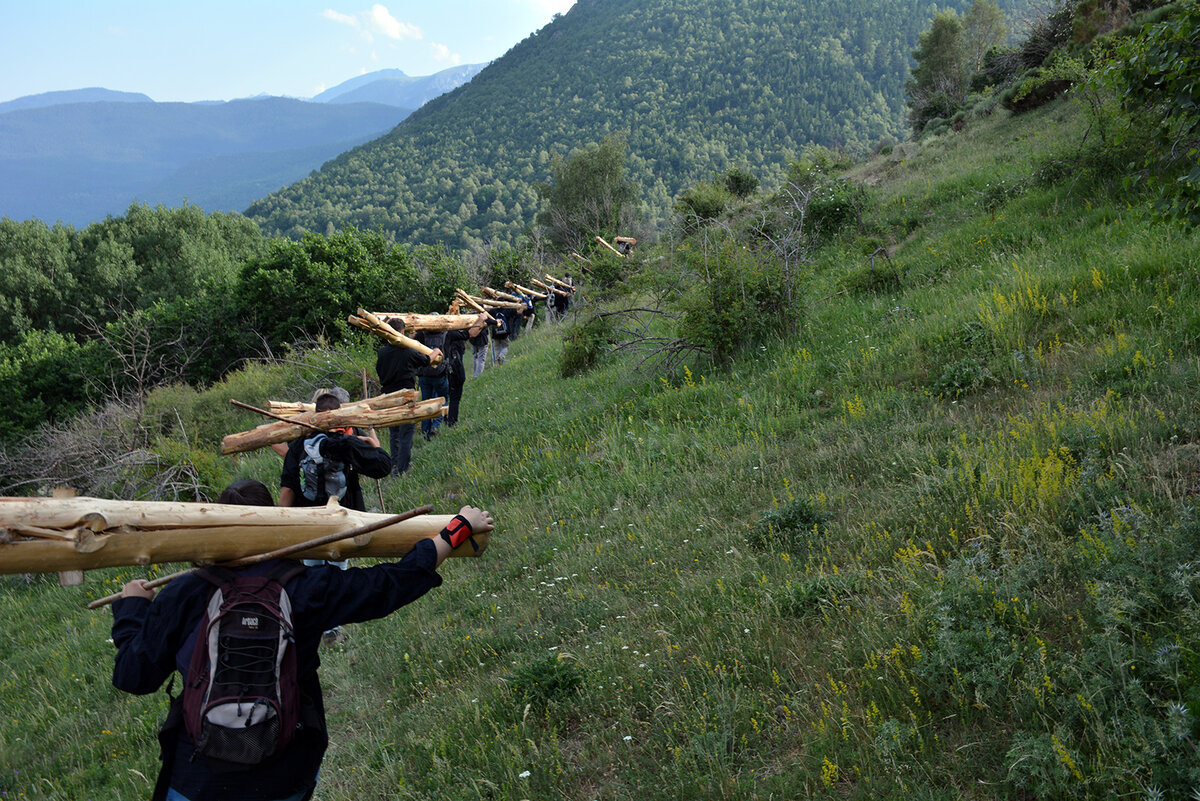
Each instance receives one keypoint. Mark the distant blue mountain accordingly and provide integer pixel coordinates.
(395, 88)
(80, 155)
(93, 95)
(80, 162)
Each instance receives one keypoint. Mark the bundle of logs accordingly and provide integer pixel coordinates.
(393, 409)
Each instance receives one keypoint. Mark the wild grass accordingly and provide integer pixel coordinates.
(941, 543)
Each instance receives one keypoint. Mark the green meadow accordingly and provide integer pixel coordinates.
(938, 539)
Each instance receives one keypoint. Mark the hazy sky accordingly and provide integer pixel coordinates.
(224, 49)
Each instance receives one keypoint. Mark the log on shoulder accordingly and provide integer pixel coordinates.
(525, 290)
(432, 322)
(103, 533)
(496, 294)
(383, 411)
(553, 289)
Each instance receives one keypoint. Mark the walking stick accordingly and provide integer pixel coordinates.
(280, 553)
(378, 484)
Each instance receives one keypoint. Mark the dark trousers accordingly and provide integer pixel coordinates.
(401, 438)
(458, 377)
(433, 387)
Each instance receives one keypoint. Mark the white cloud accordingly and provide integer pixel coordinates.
(442, 53)
(341, 19)
(382, 21)
(376, 20)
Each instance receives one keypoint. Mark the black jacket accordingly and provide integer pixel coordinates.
(153, 639)
(433, 339)
(358, 457)
(397, 367)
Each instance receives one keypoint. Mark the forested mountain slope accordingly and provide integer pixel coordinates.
(695, 85)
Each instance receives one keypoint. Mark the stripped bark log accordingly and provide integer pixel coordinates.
(369, 322)
(490, 303)
(525, 290)
(470, 301)
(398, 398)
(432, 322)
(600, 239)
(496, 294)
(103, 533)
(563, 284)
(553, 289)
(392, 411)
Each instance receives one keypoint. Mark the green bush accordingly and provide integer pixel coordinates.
(786, 526)
(545, 681)
(739, 299)
(584, 344)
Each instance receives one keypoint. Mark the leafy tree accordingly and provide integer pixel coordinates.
(939, 78)
(983, 28)
(306, 289)
(589, 196)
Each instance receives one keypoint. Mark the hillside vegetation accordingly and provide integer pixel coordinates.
(875, 482)
(696, 87)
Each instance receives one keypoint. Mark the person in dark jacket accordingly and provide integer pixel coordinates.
(358, 453)
(434, 379)
(456, 349)
(155, 635)
(397, 368)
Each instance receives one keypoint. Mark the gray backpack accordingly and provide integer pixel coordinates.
(321, 478)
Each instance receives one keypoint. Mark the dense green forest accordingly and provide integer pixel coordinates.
(875, 481)
(695, 87)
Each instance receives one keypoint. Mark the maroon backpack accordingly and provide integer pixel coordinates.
(241, 698)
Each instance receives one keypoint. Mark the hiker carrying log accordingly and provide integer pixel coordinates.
(276, 747)
(397, 365)
(321, 465)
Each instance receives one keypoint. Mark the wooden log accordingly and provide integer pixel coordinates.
(498, 304)
(579, 258)
(369, 322)
(625, 240)
(553, 289)
(433, 322)
(525, 290)
(397, 398)
(496, 294)
(118, 533)
(279, 553)
(600, 239)
(359, 415)
(562, 284)
(470, 301)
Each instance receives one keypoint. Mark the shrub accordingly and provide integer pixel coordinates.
(739, 299)
(783, 527)
(584, 344)
(545, 681)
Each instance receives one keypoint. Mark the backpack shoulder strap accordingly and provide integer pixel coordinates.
(216, 575)
(286, 570)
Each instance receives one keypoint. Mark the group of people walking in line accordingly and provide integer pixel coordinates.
(157, 633)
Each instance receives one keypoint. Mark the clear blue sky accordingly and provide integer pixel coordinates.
(176, 50)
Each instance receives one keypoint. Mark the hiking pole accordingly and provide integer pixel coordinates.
(378, 483)
(280, 553)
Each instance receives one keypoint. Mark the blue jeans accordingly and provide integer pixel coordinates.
(400, 441)
(433, 387)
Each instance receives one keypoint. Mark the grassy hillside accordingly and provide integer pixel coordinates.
(939, 543)
(696, 86)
